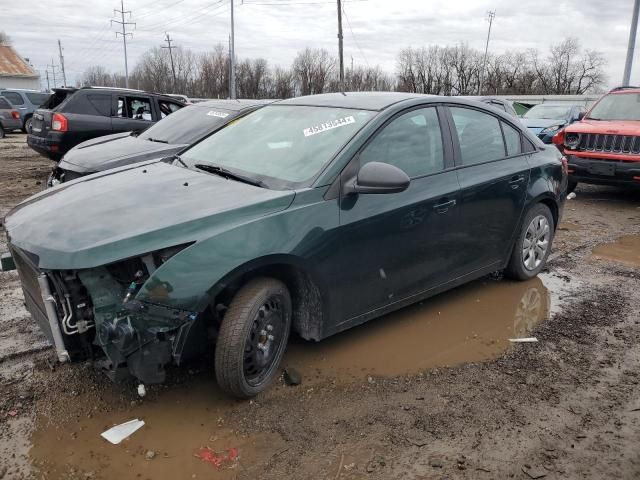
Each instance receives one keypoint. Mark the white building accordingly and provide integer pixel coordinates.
(15, 72)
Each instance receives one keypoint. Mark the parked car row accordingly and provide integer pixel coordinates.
(312, 214)
(25, 102)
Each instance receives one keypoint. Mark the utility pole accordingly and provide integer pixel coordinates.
(46, 71)
(232, 60)
(632, 44)
(64, 75)
(53, 70)
(124, 34)
(340, 50)
(490, 16)
(170, 47)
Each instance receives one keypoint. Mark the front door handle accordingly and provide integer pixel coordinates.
(444, 206)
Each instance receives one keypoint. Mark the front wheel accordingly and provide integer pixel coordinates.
(533, 244)
(27, 125)
(253, 337)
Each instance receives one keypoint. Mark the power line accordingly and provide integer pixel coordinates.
(355, 40)
(124, 34)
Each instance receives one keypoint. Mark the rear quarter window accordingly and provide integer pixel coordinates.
(85, 105)
(4, 105)
(37, 99)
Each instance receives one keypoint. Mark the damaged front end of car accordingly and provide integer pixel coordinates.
(94, 314)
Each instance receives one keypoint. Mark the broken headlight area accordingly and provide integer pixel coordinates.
(59, 175)
(96, 316)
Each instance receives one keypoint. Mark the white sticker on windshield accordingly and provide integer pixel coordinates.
(213, 113)
(323, 127)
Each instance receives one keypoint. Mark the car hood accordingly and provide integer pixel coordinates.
(111, 217)
(112, 151)
(618, 127)
(542, 122)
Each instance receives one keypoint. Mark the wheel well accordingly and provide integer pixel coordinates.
(306, 298)
(554, 210)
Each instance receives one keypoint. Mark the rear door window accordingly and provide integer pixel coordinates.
(479, 136)
(511, 139)
(13, 97)
(4, 105)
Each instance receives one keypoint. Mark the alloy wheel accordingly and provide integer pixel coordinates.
(536, 242)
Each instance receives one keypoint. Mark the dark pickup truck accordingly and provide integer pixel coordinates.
(91, 112)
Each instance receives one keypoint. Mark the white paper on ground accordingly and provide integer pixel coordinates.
(523, 340)
(118, 433)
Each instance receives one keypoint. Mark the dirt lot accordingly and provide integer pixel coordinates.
(434, 391)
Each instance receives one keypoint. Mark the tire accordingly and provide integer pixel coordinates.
(1, 132)
(571, 186)
(26, 128)
(526, 262)
(260, 311)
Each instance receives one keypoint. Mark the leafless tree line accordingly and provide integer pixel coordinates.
(452, 70)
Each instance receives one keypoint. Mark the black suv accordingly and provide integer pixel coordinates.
(91, 112)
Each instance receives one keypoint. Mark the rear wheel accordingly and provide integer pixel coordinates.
(253, 337)
(1, 132)
(571, 186)
(533, 244)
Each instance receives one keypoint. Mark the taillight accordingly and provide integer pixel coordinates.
(15, 114)
(59, 122)
(565, 165)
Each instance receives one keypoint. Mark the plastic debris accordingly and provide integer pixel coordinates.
(571, 196)
(118, 433)
(12, 413)
(524, 340)
(225, 459)
(142, 391)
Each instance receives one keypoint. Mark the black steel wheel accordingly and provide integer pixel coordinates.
(253, 337)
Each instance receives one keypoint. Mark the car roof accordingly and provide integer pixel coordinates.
(232, 105)
(623, 90)
(358, 100)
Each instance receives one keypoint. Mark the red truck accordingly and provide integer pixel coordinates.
(604, 147)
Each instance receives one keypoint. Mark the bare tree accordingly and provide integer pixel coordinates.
(313, 69)
(4, 38)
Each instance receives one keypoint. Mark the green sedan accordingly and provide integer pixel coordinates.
(314, 214)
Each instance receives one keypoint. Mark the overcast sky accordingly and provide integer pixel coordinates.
(374, 30)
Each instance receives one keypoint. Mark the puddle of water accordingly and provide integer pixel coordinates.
(470, 323)
(181, 421)
(624, 250)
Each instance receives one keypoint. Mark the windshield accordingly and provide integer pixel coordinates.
(617, 106)
(187, 125)
(551, 112)
(283, 146)
(38, 98)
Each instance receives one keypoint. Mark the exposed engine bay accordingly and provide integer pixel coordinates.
(100, 319)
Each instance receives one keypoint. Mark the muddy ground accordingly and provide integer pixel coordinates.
(433, 391)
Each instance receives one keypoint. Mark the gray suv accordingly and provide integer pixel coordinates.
(25, 102)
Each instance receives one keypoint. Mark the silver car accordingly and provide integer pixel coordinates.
(9, 118)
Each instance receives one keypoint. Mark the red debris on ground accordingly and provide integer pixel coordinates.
(206, 454)
(12, 413)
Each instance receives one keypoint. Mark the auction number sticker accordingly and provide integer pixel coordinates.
(213, 113)
(323, 127)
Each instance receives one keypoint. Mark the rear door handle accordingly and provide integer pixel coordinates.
(516, 181)
(444, 206)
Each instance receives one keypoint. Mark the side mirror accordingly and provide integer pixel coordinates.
(581, 115)
(377, 177)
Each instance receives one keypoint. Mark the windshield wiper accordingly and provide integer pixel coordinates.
(157, 140)
(223, 172)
